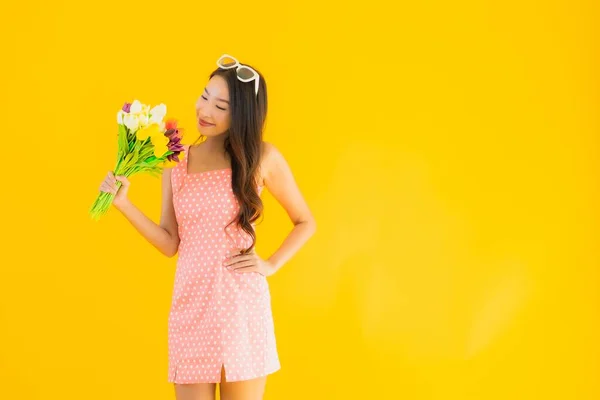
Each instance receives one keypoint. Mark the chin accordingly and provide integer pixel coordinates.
(209, 131)
(205, 131)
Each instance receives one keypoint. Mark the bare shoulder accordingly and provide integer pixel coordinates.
(271, 157)
(279, 179)
(270, 154)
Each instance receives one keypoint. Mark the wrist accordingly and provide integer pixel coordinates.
(121, 204)
(272, 265)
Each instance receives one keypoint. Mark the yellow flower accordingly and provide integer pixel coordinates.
(160, 143)
(149, 131)
(157, 138)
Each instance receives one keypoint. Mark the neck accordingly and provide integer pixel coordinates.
(215, 144)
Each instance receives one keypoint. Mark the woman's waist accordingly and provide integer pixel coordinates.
(214, 238)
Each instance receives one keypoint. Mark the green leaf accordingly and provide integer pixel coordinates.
(122, 139)
(134, 157)
(128, 158)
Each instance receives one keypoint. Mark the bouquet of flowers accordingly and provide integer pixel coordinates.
(145, 143)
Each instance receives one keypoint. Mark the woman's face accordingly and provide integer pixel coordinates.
(212, 108)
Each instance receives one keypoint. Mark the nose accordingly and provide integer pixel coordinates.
(201, 113)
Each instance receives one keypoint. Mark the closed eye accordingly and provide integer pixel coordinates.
(217, 106)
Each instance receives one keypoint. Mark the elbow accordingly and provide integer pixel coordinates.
(172, 252)
(312, 224)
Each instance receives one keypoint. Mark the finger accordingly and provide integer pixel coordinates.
(110, 179)
(244, 264)
(244, 270)
(110, 189)
(124, 181)
(107, 189)
(239, 264)
(110, 182)
(242, 256)
(238, 258)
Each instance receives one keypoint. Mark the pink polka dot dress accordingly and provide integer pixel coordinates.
(217, 316)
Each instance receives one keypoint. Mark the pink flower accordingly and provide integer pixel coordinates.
(126, 107)
(174, 134)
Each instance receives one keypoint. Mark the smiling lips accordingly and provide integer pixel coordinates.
(204, 123)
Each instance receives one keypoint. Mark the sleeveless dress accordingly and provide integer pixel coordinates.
(217, 316)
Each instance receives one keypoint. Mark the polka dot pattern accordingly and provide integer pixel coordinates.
(217, 317)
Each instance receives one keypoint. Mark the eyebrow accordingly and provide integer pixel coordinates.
(226, 101)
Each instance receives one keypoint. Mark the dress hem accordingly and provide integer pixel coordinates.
(188, 382)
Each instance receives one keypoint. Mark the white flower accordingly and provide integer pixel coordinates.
(136, 107)
(157, 113)
(132, 122)
(143, 118)
(120, 115)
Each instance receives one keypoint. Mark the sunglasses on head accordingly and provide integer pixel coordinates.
(244, 73)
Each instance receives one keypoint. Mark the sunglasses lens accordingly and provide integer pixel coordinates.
(226, 62)
(245, 73)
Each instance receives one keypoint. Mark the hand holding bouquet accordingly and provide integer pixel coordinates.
(146, 144)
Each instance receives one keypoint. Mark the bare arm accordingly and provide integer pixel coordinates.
(282, 185)
(163, 236)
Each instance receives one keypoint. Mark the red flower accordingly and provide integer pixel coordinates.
(170, 124)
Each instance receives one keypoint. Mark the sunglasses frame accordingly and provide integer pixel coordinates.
(237, 66)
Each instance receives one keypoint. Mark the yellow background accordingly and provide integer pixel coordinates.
(448, 150)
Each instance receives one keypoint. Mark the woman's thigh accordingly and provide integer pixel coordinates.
(252, 389)
(195, 391)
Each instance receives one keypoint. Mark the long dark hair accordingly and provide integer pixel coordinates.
(244, 144)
